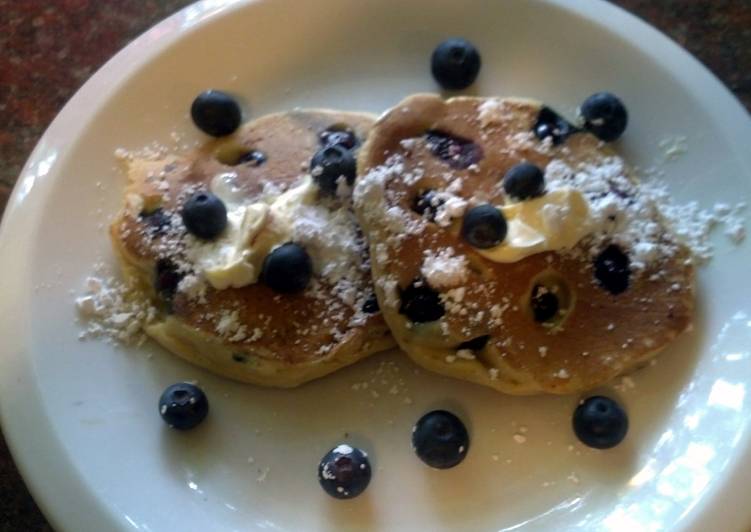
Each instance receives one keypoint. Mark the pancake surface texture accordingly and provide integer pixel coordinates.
(595, 244)
(213, 308)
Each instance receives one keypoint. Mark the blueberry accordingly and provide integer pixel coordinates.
(456, 151)
(371, 305)
(426, 204)
(420, 303)
(455, 64)
(484, 226)
(344, 472)
(166, 279)
(339, 135)
(440, 439)
(156, 221)
(551, 124)
(287, 269)
(475, 344)
(183, 406)
(600, 422)
(252, 158)
(605, 116)
(331, 163)
(204, 215)
(524, 181)
(216, 113)
(612, 269)
(544, 304)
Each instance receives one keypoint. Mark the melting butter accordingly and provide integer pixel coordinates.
(236, 257)
(557, 220)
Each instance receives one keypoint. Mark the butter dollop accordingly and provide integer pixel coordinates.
(236, 257)
(557, 220)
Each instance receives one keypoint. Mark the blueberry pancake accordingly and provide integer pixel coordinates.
(512, 249)
(249, 249)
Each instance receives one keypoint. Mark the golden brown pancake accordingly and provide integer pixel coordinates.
(251, 333)
(455, 311)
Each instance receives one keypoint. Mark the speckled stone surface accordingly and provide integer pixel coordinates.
(50, 47)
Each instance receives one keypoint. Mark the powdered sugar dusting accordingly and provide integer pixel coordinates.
(636, 215)
(114, 311)
(444, 269)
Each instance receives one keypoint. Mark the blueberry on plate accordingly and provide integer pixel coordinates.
(612, 269)
(216, 113)
(551, 124)
(252, 158)
(605, 116)
(524, 181)
(544, 304)
(329, 164)
(455, 63)
(344, 472)
(440, 439)
(183, 406)
(287, 269)
(420, 303)
(484, 226)
(204, 215)
(339, 135)
(600, 422)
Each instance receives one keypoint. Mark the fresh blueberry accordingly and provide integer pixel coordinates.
(605, 116)
(600, 422)
(457, 152)
(475, 344)
(252, 158)
(331, 163)
(167, 278)
(440, 439)
(551, 124)
(455, 64)
(287, 269)
(371, 305)
(426, 204)
(157, 220)
(339, 135)
(216, 113)
(612, 269)
(420, 303)
(524, 181)
(344, 472)
(183, 406)
(484, 226)
(204, 215)
(544, 304)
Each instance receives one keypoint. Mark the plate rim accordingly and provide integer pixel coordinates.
(44, 464)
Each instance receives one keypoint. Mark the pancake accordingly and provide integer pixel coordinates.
(623, 289)
(246, 330)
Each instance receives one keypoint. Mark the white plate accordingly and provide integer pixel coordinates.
(81, 417)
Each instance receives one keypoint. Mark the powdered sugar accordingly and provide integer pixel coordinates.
(370, 199)
(493, 111)
(114, 311)
(635, 216)
(444, 269)
(449, 208)
(329, 234)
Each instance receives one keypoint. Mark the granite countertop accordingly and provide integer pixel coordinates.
(49, 49)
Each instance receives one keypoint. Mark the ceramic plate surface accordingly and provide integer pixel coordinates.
(81, 417)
